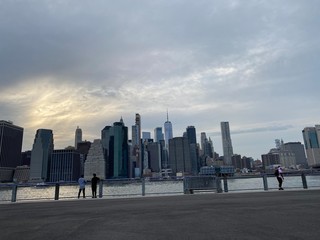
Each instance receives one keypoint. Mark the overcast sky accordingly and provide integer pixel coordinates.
(69, 63)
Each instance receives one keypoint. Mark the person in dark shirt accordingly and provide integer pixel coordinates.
(279, 175)
(94, 182)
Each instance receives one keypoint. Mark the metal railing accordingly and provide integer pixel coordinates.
(221, 184)
(142, 187)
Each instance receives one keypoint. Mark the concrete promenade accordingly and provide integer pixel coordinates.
(255, 215)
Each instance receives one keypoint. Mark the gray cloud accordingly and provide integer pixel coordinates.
(253, 63)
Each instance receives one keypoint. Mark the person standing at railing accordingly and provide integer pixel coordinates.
(82, 186)
(279, 174)
(94, 182)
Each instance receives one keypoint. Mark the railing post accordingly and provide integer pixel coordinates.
(265, 182)
(100, 188)
(14, 193)
(143, 186)
(225, 184)
(218, 183)
(304, 181)
(56, 192)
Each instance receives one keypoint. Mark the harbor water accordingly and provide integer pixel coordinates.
(127, 189)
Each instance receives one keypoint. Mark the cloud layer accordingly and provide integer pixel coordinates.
(73, 63)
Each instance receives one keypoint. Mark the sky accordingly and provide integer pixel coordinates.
(87, 63)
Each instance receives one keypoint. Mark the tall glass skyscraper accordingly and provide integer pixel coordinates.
(158, 135)
(117, 149)
(167, 131)
(41, 155)
(65, 165)
(179, 155)
(10, 144)
(226, 143)
(191, 134)
(78, 137)
(311, 137)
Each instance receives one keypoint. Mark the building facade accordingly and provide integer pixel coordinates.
(116, 148)
(10, 144)
(158, 134)
(226, 143)
(311, 137)
(65, 165)
(95, 162)
(167, 131)
(155, 156)
(298, 149)
(41, 155)
(179, 156)
(77, 137)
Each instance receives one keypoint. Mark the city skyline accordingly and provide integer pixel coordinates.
(251, 63)
(198, 139)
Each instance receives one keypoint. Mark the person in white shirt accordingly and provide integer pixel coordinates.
(82, 186)
(279, 174)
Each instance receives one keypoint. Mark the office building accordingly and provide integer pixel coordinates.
(78, 137)
(311, 137)
(194, 149)
(65, 165)
(146, 136)
(26, 158)
(136, 146)
(95, 162)
(158, 134)
(298, 149)
(179, 156)
(206, 146)
(191, 134)
(203, 139)
(167, 131)
(10, 144)
(154, 150)
(115, 144)
(41, 155)
(21, 174)
(270, 159)
(226, 143)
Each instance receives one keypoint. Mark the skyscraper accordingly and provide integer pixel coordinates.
(65, 165)
(10, 144)
(146, 136)
(194, 149)
(136, 143)
(115, 141)
(191, 134)
(158, 135)
(154, 152)
(206, 145)
(78, 137)
(226, 143)
(311, 137)
(179, 155)
(41, 155)
(167, 131)
(95, 162)
(298, 149)
(203, 140)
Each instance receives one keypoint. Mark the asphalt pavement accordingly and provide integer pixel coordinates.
(254, 215)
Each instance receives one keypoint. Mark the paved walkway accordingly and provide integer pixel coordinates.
(257, 215)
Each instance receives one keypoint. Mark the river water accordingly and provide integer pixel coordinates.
(152, 188)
